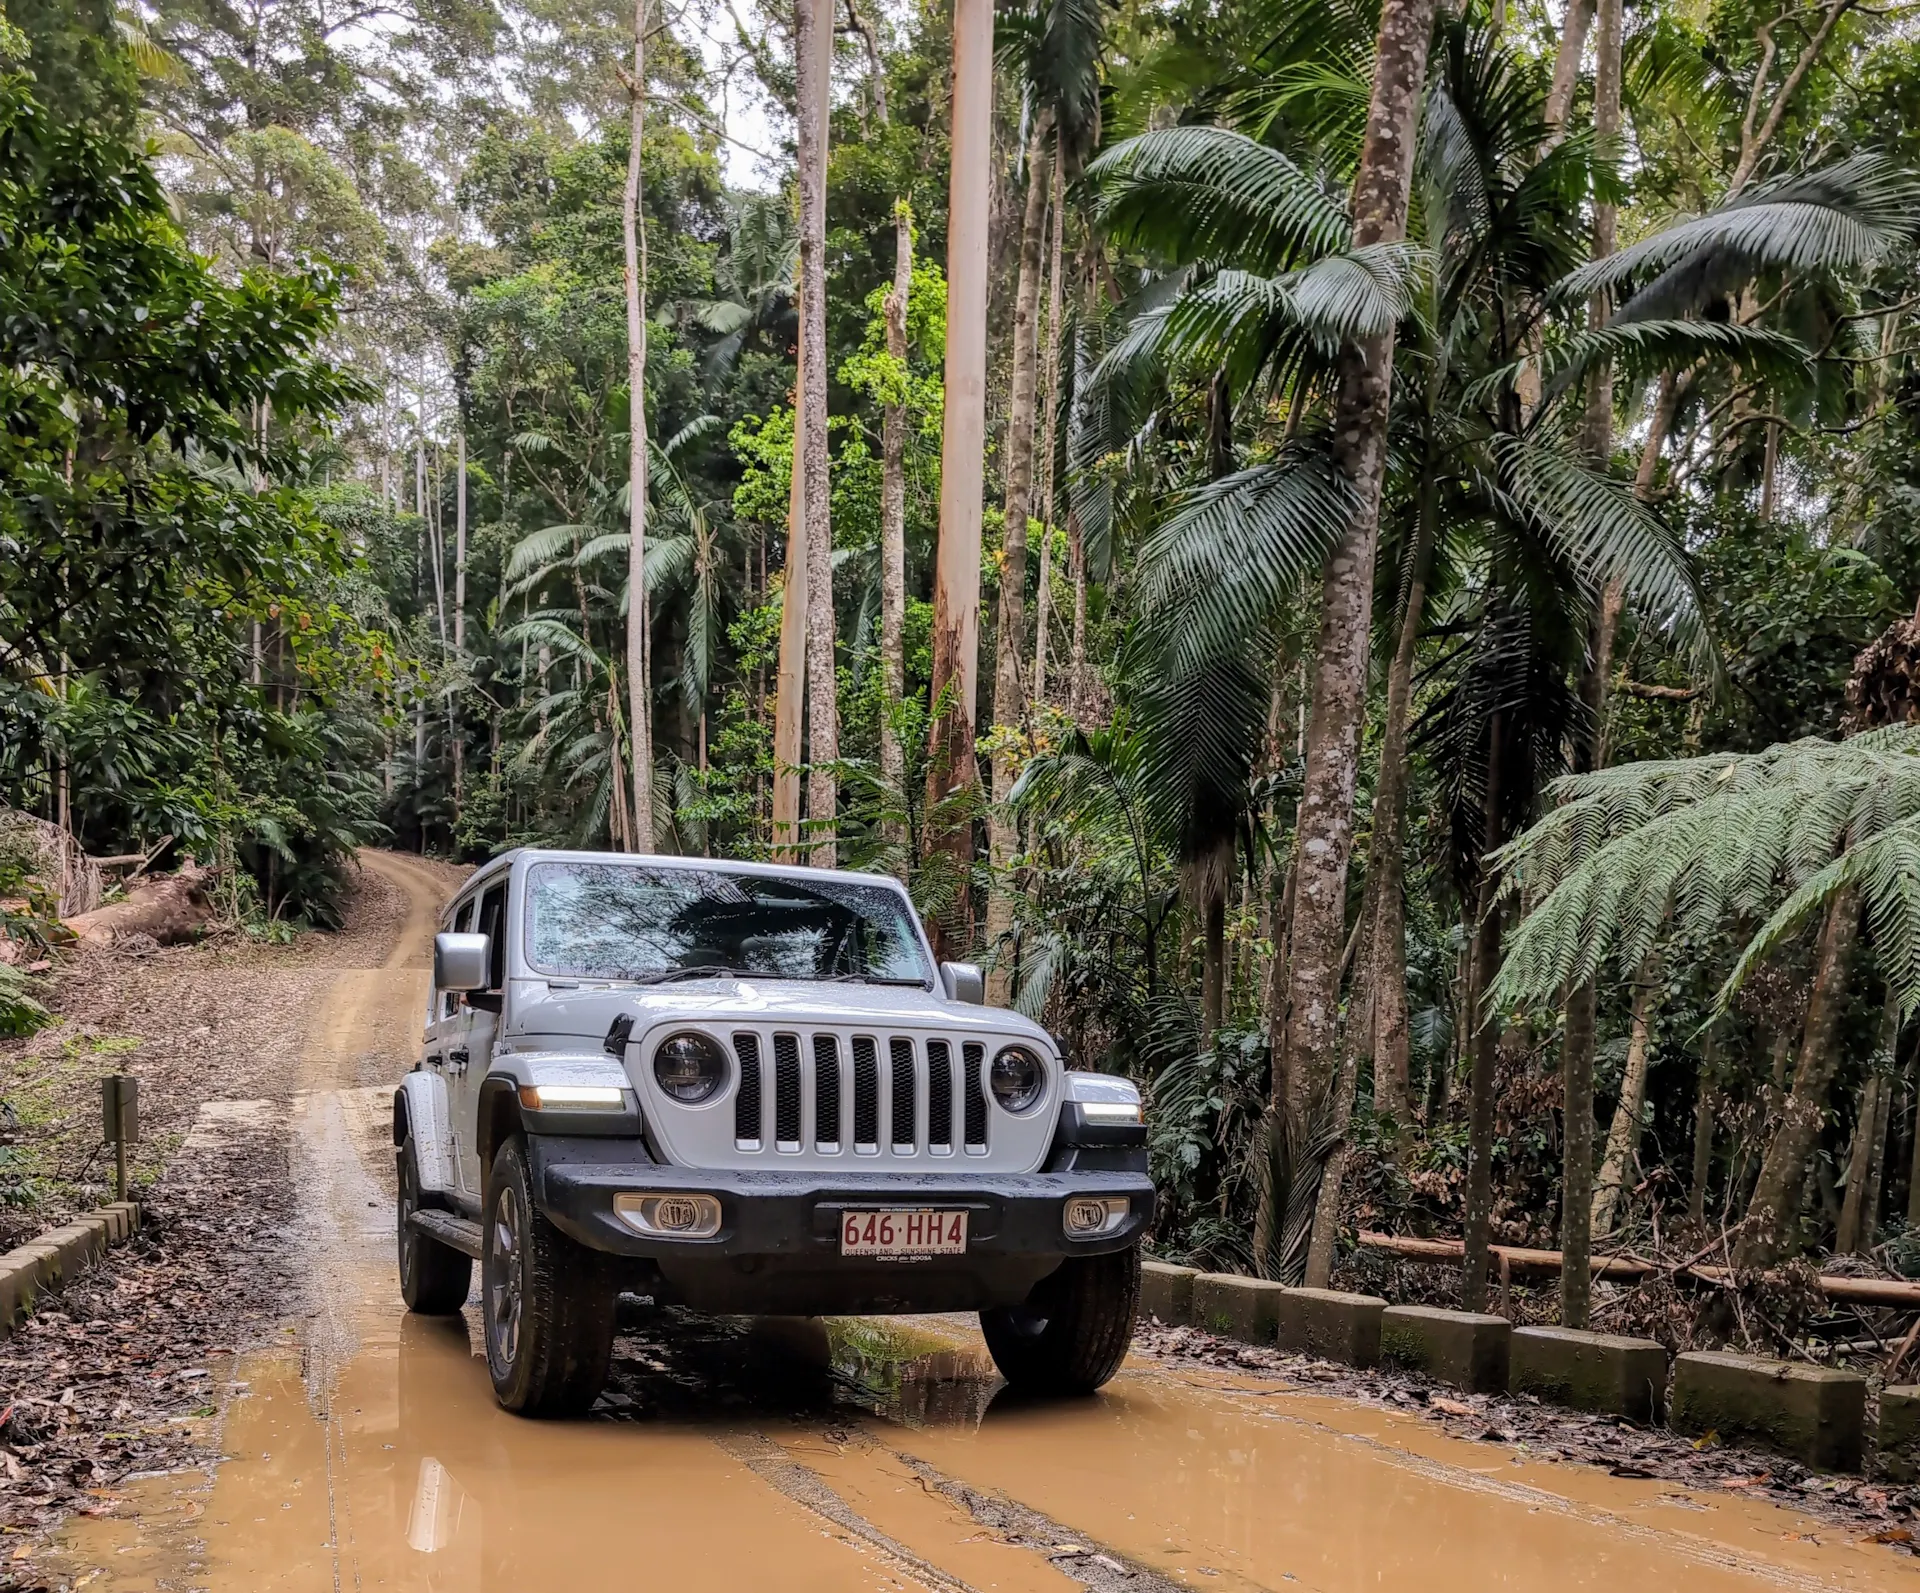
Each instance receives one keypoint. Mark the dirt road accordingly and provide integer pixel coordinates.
(784, 1457)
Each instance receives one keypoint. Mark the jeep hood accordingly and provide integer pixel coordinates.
(541, 1012)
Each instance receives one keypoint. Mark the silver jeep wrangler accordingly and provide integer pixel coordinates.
(745, 1088)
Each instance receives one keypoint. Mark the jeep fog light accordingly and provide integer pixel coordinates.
(1089, 1216)
(572, 1097)
(670, 1216)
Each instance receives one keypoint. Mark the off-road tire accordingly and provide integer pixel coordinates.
(435, 1279)
(1071, 1333)
(547, 1307)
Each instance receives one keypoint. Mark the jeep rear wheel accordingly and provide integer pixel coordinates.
(434, 1278)
(549, 1317)
(1071, 1333)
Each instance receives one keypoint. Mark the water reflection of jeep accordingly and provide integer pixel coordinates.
(745, 1088)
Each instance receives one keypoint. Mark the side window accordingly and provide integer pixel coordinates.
(493, 924)
(462, 923)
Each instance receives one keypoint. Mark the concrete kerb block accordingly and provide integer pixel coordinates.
(127, 1212)
(78, 1244)
(1330, 1324)
(23, 1277)
(1815, 1414)
(1236, 1307)
(1166, 1292)
(1600, 1372)
(1462, 1348)
(1896, 1443)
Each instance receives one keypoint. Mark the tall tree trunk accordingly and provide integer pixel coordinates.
(789, 703)
(1876, 1168)
(1009, 701)
(1704, 1101)
(1378, 1007)
(893, 476)
(1847, 1239)
(956, 589)
(1913, 1166)
(1339, 672)
(1484, 1046)
(1577, 1041)
(893, 525)
(1860, 1215)
(1390, 1041)
(814, 46)
(1776, 1197)
(1623, 1137)
(1077, 646)
(1049, 425)
(459, 619)
(1566, 67)
(639, 694)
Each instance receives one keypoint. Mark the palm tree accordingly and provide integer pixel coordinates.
(756, 276)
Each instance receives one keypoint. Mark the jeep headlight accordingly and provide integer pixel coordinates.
(690, 1066)
(1018, 1078)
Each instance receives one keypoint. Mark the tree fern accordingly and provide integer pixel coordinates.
(1686, 846)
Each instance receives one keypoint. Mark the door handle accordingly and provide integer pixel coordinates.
(457, 1060)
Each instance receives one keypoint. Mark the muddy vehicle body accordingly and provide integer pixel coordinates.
(748, 1088)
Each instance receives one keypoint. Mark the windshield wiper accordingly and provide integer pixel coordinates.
(668, 975)
(868, 979)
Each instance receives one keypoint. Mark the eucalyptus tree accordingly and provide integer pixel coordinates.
(951, 763)
(1055, 49)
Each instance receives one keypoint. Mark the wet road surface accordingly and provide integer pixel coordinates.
(786, 1456)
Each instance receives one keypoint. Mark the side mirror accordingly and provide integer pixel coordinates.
(964, 982)
(460, 961)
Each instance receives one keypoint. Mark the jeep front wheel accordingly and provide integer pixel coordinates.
(434, 1278)
(1071, 1333)
(549, 1321)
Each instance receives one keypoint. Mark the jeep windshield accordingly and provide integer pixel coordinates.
(627, 921)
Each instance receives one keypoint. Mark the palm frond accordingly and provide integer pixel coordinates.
(1209, 193)
(1842, 217)
(1213, 573)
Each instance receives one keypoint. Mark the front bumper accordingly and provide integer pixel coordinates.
(797, 1215)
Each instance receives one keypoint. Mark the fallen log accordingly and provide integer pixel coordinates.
(1852, 1291)
(167, 907)
(55, 861)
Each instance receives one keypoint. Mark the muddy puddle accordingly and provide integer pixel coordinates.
(783, 1454)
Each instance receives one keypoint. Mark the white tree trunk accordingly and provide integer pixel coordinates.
(1009, 703)
(893, 525)
(956, 590)
(814, 44)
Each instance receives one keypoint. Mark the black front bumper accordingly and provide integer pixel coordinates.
(777, 1213)
(778, 1248)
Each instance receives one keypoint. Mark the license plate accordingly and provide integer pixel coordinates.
(903, 1233)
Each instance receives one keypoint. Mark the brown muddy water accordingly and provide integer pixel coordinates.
(832, 1457)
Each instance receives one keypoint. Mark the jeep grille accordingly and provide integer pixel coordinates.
(919, 1095)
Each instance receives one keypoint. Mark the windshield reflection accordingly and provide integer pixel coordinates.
(628, 921)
